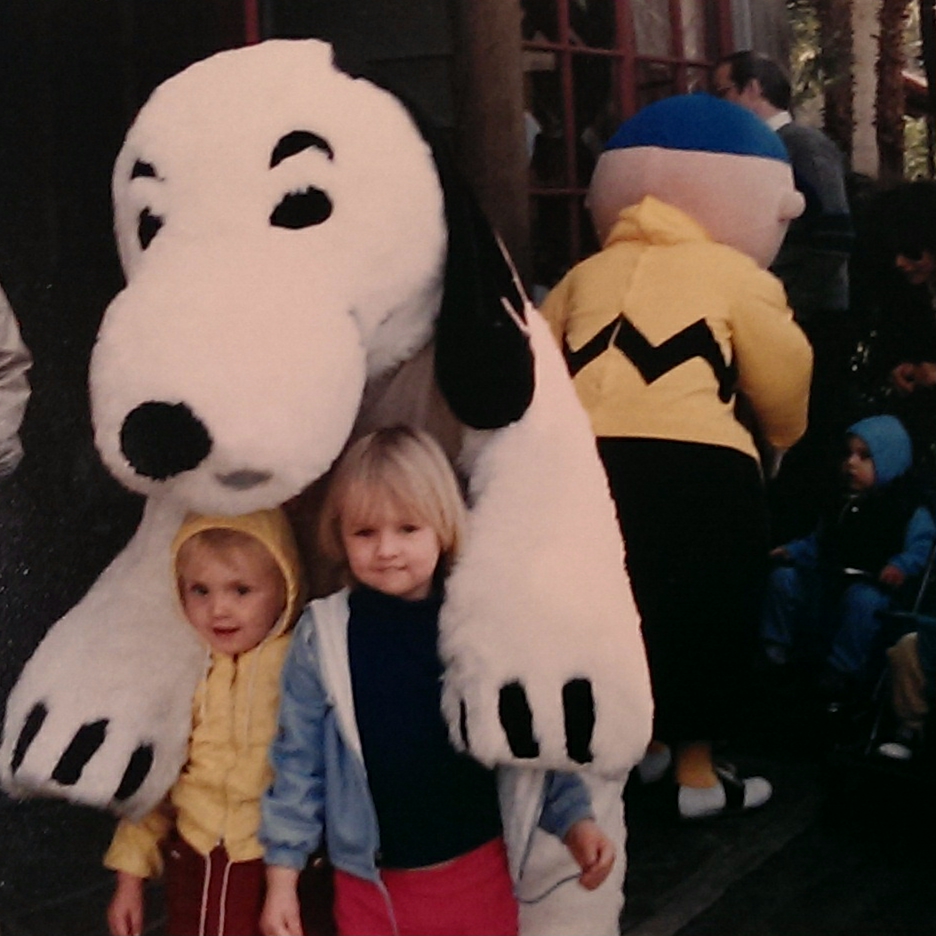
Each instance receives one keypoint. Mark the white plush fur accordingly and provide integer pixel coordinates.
(539, 594)
(270, 337)
(570, 910)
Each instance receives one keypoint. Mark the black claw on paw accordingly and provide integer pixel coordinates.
(517, 720)
(578, 708)
(31, 728)
(82, 748)
(463, 724)
(137, 768)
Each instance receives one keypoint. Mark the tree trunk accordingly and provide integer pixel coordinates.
(837, 58)
(889, 107)
(928, 43)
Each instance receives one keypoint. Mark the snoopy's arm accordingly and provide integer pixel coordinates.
(102, 711)
(539, 632)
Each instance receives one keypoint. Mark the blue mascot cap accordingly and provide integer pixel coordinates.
(701, 123)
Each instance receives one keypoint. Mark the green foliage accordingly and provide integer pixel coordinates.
(806, 72)
(915, 161)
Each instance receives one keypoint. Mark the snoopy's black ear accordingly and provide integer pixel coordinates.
(483, 360)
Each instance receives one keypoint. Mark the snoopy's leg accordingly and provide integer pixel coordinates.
(569, 909)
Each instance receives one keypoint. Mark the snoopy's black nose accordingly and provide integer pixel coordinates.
(161, 440)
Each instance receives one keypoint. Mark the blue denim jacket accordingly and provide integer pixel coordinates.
(320, 777)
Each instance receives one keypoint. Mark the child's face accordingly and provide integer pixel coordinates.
(232, 598)
(392, 552)
(858, 466)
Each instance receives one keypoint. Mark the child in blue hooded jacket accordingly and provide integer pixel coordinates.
(825, 594)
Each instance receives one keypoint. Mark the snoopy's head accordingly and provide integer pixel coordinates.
(282, 227)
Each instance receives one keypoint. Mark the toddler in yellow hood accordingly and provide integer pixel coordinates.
(240, 587)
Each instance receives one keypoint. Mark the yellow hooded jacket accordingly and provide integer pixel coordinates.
(663, 325)
(216, 799)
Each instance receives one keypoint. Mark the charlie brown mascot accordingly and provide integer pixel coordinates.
(686, 357)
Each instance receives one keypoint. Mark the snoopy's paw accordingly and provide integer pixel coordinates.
(67, 751)
(553, 728)
(68, 760)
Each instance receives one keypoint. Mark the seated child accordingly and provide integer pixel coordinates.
(415, 830)
(912, 663)
(824, 596)
(239, 583)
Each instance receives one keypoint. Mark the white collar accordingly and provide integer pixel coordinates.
(780, 119)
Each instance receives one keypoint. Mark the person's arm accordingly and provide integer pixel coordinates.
(918, 540)
(592, 850)
(292, 809)
(804, 551)
(134, 849)
(773, 359)
(134, 854)
(567, 813)
(125, 910)
(281, 913)
(15, 361)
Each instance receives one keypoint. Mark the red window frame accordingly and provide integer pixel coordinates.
(629, 92)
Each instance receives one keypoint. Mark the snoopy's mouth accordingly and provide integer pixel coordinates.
(244, 479)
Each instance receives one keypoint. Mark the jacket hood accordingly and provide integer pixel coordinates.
(889, 444)
(272, 529)
(657, 222)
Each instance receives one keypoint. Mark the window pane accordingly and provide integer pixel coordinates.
(652, 29)
(539, 20)
(697, 79)
(592, 23)
(546, 129)
(597, 114)
(655, 80)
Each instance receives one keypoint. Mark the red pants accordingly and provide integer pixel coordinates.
(468, 896)
(214, 896)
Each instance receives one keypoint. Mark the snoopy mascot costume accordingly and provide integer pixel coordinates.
(301, 266)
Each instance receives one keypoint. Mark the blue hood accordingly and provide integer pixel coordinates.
(889, 444)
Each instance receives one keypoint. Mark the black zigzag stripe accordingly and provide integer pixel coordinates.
(576, 360)
(696, 340)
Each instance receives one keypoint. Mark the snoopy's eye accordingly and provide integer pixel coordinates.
(148, 226)
(302, 209)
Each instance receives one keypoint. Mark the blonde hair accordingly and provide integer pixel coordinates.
(407, 467)
(221, 542)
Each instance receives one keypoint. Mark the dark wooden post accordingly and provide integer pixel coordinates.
(489, 137)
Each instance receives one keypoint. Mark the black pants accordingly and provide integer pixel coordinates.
(695, 532)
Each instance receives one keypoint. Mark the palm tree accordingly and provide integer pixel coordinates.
(890, 105)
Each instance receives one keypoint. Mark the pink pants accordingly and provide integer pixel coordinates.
(472, 894)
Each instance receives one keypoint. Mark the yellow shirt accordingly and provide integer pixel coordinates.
(665, 289)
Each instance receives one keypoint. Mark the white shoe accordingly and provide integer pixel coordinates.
(731, 795)
(895, 751)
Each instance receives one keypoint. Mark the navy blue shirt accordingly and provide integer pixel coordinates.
(432, 803)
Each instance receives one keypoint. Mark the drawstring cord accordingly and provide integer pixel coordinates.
(222, 909)
(202, 919)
